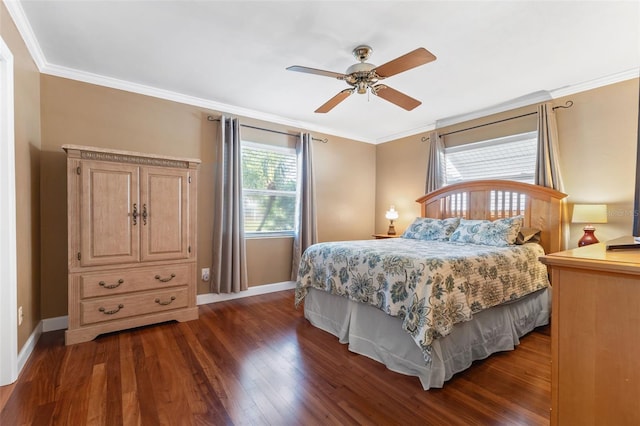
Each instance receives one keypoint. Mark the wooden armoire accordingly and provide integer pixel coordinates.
(131, 240)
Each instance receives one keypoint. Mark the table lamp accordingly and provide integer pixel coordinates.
(589, 214)
(392, 215)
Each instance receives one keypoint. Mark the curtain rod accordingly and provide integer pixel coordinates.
(325, 140)
(567, 105)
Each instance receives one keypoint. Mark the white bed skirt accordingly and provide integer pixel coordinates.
(372, 333)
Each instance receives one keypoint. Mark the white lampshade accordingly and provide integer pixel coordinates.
(391, 214)
(589, 213)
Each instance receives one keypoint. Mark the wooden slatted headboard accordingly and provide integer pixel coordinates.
(494, 199)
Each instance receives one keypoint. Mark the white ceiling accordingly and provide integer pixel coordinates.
(231, 56)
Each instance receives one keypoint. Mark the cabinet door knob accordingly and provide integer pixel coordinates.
(144, 214)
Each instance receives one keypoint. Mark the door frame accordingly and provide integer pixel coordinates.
(8, 257)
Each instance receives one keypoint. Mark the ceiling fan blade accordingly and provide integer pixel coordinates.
(331, 103)
(395, 97)
(413, 59)
(308, 70)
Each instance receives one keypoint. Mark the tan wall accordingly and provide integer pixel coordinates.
(345, 183)
(27, 153)
(597, 141)
(84, 114)
(598, 146)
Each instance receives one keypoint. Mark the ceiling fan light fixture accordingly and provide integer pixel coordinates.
(361, 68)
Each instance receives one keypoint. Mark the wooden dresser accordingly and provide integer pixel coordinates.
(131, 240)
(595, 336)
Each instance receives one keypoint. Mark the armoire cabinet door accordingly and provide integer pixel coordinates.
(164, 194)
(108, 208)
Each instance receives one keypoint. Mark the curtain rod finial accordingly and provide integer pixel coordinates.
(566, 105)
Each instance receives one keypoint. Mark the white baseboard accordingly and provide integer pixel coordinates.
(204, 299)
(29, 346)
(61, 323)
(53, 324)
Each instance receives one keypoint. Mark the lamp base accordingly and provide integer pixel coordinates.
(588, 237)
(391, 230)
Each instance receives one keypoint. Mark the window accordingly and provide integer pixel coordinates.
(511, 158)
(269, 179)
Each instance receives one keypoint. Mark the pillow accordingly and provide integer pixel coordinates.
(500, 232)
(425, 228)
(528, 235)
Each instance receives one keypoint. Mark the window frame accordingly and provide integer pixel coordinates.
(281, 150)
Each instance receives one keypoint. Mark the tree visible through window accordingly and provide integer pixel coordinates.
(269, 178)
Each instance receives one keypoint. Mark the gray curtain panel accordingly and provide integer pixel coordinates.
(306, 232)
(435, 163)
(229, 267)
(547, 168)
(547, 161)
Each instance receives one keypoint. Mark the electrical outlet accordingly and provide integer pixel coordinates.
(20, 315)
(205, 274)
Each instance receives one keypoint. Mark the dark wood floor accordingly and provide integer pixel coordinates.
(257, 361)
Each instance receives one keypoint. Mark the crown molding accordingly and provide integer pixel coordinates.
(522, 101)
(596, 83)
(411, 132)
(26, 32)
(533, 98)
(222, 108)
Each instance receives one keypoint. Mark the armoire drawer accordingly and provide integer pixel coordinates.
(118, 307)
(108, 283)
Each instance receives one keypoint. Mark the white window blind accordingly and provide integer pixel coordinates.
(269, 176)
(511, 158)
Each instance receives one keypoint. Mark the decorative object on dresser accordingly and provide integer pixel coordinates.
(131, 240)
(589, 214)
(391, 215)
(595, 379)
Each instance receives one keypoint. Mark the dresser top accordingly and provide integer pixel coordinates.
(597, 257)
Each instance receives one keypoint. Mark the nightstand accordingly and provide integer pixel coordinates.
(383, 236)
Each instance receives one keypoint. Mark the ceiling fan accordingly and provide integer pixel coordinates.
(364, 76)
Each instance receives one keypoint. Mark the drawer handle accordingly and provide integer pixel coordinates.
(115, 311)
(165, 280)
(165, 303)
(110, 286)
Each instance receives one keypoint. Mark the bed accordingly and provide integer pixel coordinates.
(464, 280)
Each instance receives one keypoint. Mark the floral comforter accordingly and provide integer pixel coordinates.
(430, 285)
